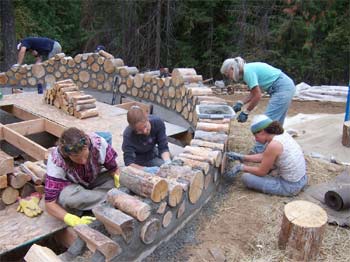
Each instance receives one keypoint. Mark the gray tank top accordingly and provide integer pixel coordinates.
(291, 163)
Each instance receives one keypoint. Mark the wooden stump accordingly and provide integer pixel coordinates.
(346, 134)
(302, 230)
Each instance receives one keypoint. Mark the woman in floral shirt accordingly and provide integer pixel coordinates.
(80, 171)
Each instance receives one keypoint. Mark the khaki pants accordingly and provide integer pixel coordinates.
(75, 198)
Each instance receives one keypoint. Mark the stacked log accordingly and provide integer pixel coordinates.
(20, 180)
(178, 92)
(93, 70)
(66, 95)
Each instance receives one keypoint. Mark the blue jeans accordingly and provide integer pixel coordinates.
(273, 185)
(56, 49)
(281, 93)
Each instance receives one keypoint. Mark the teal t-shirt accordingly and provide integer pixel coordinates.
(260, 74)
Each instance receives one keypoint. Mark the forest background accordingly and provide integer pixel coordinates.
(309, 40)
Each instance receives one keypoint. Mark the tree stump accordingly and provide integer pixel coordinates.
(346, 134)
(302, 230)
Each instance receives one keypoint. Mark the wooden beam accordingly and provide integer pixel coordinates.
(41, 254)
(26, 145)
(115, 221)
(28, 127)
(6, 163)
(18, 112)
(53, 128)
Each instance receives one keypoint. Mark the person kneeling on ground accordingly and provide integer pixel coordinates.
(145, 144)
(80, 171)
(282, 152)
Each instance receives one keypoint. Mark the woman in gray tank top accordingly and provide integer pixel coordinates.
(283, 157)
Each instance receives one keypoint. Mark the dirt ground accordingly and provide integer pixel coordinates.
(242, 225)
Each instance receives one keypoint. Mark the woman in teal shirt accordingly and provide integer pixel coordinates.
(260, 77)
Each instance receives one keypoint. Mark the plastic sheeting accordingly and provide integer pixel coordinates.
(321, 93)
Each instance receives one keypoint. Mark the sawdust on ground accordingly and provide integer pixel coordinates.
(242, 225)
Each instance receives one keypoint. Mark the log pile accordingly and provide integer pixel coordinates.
(65, 95)
(89, 70)
(148, 207)
(19, 181)
(178, 92)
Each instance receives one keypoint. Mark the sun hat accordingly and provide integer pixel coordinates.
(259, 123)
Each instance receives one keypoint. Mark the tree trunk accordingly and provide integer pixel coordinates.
(144, 184)
(302, 230)
(128, 204)
(8, 34)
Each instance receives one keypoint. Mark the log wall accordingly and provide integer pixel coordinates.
(142, 217)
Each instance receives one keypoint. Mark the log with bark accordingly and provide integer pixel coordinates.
(214, 157)
(86, 113)
(128, 204)
(115, 221)
(184, 174)
(195, 164)
(212, 127)
(211, 145)
(17, 179)
(36, 169)
(144, 184)
(215, 137)
(3, 181)
(96, 241)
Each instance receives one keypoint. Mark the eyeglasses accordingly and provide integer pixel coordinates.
(76, 148)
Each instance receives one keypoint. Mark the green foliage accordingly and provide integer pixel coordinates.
(309, 40)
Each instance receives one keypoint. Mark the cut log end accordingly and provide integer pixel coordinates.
(160, 191)
(150, 230)
(302, 230)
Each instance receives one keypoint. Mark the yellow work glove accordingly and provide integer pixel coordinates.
(116, 178)
(73, 220)
(116, 181)
(30, 206)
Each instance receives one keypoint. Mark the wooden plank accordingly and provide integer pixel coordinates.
(6, 163)
(26, 145)
(28, 127)
(41, 254)
(54, 128)
(18, 112)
